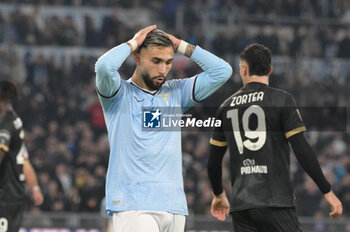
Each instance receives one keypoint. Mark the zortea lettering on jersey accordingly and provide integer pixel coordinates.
(251, 168)
(247, 98)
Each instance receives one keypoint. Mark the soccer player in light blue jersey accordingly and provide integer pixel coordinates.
(144, 186)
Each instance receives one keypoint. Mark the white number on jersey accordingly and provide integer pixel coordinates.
(17, 123)
(3, 224)
(258, 135)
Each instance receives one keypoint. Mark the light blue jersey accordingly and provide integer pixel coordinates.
(145, 167)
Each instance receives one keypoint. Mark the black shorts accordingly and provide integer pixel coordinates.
(11, 217)
(266, 220)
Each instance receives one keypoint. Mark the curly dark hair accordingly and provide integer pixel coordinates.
(8, 91)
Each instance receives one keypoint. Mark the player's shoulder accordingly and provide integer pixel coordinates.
(129, 87)
(227, 102)
(174, 85)
(11, 121)
(170, 84)
(176, 82)
(280, 97)
(278, 91)
(16, 120)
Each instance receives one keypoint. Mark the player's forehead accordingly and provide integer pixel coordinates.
(161, 52)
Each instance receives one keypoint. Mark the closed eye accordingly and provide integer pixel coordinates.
(156, 60)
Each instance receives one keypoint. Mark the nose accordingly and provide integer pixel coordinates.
(162, 69)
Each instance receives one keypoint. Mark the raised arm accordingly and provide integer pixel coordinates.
(216, 73)
(106, 68)
(216, 70)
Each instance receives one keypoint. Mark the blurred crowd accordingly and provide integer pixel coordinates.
(80, 27)
(304, 8)
(65, 131)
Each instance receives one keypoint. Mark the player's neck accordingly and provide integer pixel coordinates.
(259, 79)
(137, 80)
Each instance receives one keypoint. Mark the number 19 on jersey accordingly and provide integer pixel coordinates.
(255, 138)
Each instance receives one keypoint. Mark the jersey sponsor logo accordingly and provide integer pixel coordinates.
(251, 168)
(247, 98)
(18, 123)
(248, 162)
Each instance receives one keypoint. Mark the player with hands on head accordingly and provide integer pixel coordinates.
(15, 168)
(258, 124)
(144, 185)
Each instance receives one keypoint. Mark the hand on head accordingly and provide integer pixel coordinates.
(140, 36)
(174, 40)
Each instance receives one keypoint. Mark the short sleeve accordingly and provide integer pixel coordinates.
(218, 138)
(292, 121)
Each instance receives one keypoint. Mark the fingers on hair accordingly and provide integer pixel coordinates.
(157, 37)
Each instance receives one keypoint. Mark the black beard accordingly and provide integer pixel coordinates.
(149, 82)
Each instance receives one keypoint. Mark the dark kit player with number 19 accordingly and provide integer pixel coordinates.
(258, 123)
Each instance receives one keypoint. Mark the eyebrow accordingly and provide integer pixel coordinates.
(160, 59)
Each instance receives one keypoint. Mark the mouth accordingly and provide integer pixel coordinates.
(159, 79)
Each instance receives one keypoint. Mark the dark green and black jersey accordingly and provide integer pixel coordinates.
(256, 124)
(12, 189)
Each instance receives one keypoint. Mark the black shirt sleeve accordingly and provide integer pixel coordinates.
(218, 139)
(308, 161)
(292, 122)
(217, 151)
(214, 168)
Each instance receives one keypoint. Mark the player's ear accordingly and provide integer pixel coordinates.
(137, 57)
(245, 69)
(271, 69)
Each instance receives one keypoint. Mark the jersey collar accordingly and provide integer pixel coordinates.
(144, 90)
